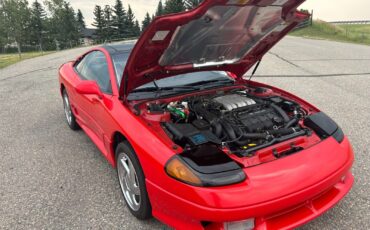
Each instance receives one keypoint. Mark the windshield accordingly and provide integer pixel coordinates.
(182, 83)
(119, 62)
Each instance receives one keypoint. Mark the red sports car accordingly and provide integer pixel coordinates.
(195, 144)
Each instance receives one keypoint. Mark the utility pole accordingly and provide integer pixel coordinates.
(311, 21)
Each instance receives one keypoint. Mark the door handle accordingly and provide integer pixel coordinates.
(96, 100)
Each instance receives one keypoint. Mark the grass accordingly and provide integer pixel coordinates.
(359, 34)
(9, 59)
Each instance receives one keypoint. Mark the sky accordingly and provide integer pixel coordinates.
(328, 10)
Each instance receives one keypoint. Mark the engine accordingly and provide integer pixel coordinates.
(233, 101)
(242, 122)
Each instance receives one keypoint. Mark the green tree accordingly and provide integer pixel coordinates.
(99, 22)
(70, 25)
(37, 26)
(160, 10)
(55, 9)
(146, 21)
(80, 21)
(119, 19)
(108, 23)
(3, 32)
(62, 24)
(129, 23)
(16, 16)
(174, 6)
(137, 29)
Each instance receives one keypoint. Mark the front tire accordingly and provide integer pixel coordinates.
(70, 117)
(132, 182)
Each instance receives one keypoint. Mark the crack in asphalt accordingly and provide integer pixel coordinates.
(32, 71)
(286, 60)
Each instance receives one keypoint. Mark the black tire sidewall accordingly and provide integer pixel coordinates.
(145, 210)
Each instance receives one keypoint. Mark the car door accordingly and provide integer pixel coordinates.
(94, 67)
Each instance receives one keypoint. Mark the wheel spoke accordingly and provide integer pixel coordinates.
(125, 166)
(132, 176)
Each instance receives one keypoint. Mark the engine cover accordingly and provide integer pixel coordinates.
(260, 120)
(233, 101)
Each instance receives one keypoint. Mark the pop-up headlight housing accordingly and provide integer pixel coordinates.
(205, 165)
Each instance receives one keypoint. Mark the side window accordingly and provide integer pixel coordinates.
(94, 66)
(119, 62)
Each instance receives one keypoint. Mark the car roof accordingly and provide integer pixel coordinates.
(121, 47)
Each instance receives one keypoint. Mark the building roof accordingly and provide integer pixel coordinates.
(88, 33)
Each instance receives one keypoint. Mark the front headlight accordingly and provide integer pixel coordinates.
(204, 166)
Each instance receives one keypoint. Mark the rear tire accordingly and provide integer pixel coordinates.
(70, 117)
(132, 182)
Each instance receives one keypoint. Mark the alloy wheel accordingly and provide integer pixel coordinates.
(67, 108)
(129, 182)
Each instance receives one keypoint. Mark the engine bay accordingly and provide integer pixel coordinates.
(237, 120)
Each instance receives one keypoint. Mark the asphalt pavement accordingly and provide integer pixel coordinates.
(54, 178)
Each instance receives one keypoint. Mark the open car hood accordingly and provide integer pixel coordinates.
(227, 35)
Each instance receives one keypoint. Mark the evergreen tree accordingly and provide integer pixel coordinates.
(3, 33)
(53, 24)
(80, 21)
(62, 25)
(130, 23)
(137, 28)
(108, 23)
(174, 6)
(70, 27)
(119, 19)
(16, 18)
(146, 22)
(99, 22)
(160, 10)
(37, 24)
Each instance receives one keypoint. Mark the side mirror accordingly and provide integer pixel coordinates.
(89, 87)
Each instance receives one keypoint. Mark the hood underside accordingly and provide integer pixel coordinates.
(228, 35)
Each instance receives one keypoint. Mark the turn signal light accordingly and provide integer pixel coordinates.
(180, 171)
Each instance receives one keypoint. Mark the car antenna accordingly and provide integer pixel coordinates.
(155, 84)
(255, 69)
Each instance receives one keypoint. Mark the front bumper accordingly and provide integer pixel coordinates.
(274, 208)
